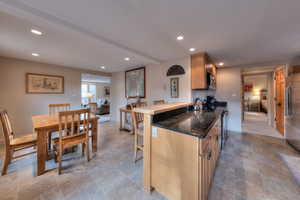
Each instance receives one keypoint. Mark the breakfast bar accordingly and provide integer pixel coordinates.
(181, 149)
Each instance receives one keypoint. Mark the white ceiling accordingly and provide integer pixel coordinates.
(95, 78)
(89, 34)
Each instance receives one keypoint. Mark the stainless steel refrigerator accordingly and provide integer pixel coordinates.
(292, 114)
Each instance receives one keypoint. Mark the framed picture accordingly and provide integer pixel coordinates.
(44, 84)
(174, 87)
(135, 83)
(107, 91)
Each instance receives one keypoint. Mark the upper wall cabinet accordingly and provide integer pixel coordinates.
(204, 72)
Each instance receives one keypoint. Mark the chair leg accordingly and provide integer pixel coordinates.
(83, 149)
(135, 147)
(60, 160)
(49, 140)
(87, 148)
(55, 158)
(7, 159)
(11, 156)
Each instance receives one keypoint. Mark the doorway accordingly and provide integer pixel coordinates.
(95, 89)
(258, 92)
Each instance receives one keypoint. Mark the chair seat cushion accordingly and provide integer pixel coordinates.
(30, 138)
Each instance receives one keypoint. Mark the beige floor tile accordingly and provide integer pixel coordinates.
(251, 167)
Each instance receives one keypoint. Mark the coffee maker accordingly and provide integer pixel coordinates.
(210, 103)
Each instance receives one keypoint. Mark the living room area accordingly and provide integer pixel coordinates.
(95, 91)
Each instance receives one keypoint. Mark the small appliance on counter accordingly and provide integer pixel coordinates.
(198, 105)
(210, 103)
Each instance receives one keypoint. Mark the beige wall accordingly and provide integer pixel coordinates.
(157, 85)
(22, 106)
(229, 89)
(258, 81)
(101, 92)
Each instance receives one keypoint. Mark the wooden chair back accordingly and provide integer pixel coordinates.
(56, 108)
(139, 117)
(73, 123)
(136, 120)
(93, 108)
(158, 102)
(6, 127)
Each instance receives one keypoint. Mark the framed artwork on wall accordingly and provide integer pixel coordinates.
(174, 87)
(44, 84)
(135, 83)
(107, 91)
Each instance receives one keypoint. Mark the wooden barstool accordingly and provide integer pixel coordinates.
(13, 144)
(137, 121)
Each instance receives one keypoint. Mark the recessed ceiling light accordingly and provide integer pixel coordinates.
(35, 54)
(180, 37)
(102, 67)
(192, 49)
(127, 59)
(221, 63)
(36, 32)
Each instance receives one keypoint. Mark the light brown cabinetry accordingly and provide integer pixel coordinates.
(208, 156)
(183, 166)
(201, 67)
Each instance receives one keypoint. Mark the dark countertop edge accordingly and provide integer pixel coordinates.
(190, 133)
(180, 131)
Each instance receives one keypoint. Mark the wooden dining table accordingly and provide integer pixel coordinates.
(42, 124)
(123, 121)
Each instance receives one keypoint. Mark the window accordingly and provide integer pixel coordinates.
(88, 93)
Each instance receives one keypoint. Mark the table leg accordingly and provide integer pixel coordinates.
(121, 120)
(41, 151)
(94, 135)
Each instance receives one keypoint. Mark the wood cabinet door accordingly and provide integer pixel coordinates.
(279, 82)
(209, 154)
(204, 174)
(198, 71)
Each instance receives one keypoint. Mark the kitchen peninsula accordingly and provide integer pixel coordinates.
(181, 149)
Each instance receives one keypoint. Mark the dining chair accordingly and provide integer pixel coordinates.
(93, 108)
(158, 102)
(13, 144)
(138, 130)
(74, 127)
(54, 109)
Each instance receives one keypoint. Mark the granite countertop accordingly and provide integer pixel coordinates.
(195, 123)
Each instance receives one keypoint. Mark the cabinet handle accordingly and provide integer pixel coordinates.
(209, 155)
(206, 155)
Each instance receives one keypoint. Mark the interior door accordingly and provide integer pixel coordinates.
(279, 100)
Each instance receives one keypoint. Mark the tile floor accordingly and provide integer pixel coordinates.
(255, 122)
(251, 167)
